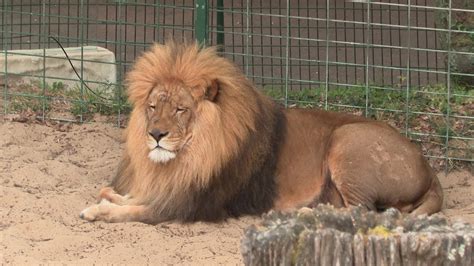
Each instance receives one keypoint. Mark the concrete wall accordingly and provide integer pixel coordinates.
(95, 64)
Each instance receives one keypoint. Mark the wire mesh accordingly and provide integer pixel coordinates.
(409, 62)
(126, 28)
(390, 60)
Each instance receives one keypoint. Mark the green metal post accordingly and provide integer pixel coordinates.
(5, 53)
(448, 87)
(408, 77)
(119, 63)
(201, 21)
(367, 57)
(81, 36)
(220, 24)
(44, 40)
(287, 51)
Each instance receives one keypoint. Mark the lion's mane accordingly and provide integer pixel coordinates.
(235, 140)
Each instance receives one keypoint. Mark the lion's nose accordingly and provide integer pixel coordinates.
(157, 134)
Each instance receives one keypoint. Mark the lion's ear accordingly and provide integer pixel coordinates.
(212, 91)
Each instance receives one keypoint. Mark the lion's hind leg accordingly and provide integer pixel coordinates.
(432, 200)
(353, 193)
(372, 165)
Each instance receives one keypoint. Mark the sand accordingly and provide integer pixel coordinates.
(49, 173)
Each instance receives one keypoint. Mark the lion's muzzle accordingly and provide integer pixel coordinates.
(158, 153)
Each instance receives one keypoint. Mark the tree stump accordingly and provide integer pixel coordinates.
(328, 236)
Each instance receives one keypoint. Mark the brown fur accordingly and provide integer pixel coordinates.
(238, 153)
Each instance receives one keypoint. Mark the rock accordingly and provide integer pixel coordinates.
(98, 66)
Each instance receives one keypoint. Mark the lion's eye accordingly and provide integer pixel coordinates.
(152, 107)
(181, 110)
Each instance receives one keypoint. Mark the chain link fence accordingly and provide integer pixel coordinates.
(410, 63)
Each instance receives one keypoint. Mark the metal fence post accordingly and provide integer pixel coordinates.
(5, 34)
(220, 24)
(201, 22)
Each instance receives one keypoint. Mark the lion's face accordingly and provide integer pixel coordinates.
(170, 115)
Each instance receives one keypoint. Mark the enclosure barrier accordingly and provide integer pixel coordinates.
(409, 62)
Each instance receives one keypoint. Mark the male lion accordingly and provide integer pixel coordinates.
(204, 144)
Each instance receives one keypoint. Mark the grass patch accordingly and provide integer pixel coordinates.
(101, 101)
(45, 98)
(424, 99)
(34, 96)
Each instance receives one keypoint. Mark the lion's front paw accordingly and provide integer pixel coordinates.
(106, 192)
(97, 211)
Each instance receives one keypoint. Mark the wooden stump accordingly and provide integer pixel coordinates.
(328, 236)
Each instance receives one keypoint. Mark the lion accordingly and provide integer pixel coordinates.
(203, 144)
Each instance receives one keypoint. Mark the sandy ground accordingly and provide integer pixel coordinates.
(48, 174)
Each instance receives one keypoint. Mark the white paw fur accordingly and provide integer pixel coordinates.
(93, 212)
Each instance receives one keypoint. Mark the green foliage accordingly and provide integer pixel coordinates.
(460, 26)
(33, 97)
(424, 99)
(99, 101)
(33, 103)
(42, 98)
